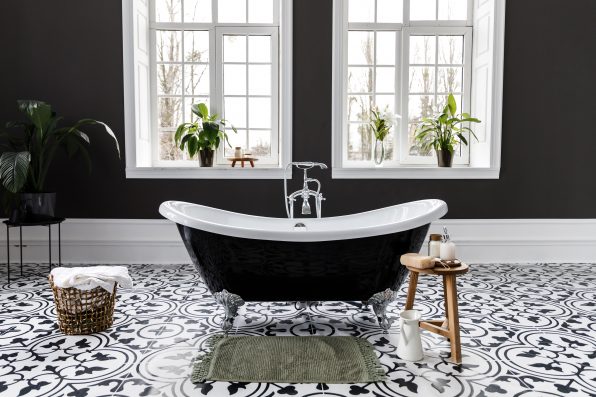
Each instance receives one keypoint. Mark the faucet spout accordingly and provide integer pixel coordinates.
(306, 207)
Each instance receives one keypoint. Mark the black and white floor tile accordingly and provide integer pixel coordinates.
(527, 330)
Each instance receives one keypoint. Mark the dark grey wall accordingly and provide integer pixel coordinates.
(69, 53)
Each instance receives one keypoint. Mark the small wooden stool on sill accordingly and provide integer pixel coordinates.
(242, 160)
(449, 327)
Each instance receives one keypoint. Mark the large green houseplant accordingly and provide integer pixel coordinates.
(445, 132)
(202, 136)
(28, 150)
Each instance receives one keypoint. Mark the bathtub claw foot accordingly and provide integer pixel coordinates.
(379, 303)
(231, 303)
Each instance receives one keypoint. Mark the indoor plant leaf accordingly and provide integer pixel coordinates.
(14, 168)
(38, 112)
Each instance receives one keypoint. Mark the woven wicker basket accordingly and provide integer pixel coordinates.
(83, 312)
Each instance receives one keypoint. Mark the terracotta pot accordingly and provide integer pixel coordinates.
(206, 157)
(445, 158)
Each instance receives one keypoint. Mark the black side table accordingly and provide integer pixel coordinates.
(21, 225)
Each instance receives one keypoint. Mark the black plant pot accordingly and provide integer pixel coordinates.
(445, 158)
(36, 206)
(206, 157)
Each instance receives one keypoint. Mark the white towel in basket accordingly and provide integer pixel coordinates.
(87, 278)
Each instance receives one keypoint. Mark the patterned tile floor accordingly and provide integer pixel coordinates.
(527, 330)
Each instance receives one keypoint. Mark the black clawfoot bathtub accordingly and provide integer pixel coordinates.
(349, 258)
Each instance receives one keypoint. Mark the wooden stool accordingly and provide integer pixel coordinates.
(449, 328)
(242, 160)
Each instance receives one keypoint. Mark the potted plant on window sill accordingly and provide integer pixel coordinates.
(381, 124)
(202, 136)
(445, 132)
(27, 157)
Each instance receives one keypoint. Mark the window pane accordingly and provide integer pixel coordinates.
(196, 46)
(422, 49)
(236, 140)
(168, 151)
(259, 112)
(169, 46)
(234, 79)
(234, 48)
(259, 79)
(386, 48)
(259, 143)
(196, 79)
(359, 107)
(423, 10)
(389, 146)
(259, 48)
(359, 142)
(422, 79)
(450, 80)
(361, 48)
(260, 11)
(385, 79)
(453, 9)
(390, 11)
(198, 11)
(235, 112)
(361, 11)
(420, 106)
(385, 103)
(169, 79)
(415, 148)
(168, 10)
(451, 50)
(189, 116)
(170, 112)
(231, 11)
(360, 79)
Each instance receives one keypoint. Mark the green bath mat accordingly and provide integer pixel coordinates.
(288, 359)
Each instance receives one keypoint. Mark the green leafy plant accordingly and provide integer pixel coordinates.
(28, 154)
(445, 131)
(206, 133)
(381, 123)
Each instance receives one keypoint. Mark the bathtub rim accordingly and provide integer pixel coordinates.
(438, 209)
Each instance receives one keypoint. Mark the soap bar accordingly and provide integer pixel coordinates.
(417, 261)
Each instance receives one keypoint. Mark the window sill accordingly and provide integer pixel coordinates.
(416, 172)
(205, 173)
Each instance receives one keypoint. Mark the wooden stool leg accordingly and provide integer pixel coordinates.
(242, 163)
(453, 318)
(412, 290)
(233, 163)
(446, 322)
(252, 163)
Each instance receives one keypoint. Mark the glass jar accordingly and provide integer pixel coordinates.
(434, 245)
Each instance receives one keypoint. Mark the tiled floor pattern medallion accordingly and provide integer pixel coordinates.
(527, 330)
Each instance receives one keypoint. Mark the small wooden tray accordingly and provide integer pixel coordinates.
(454, 263)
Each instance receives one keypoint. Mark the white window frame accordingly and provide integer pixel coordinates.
(485, 156)
(404, 144)
(218, 96)
(140, 107)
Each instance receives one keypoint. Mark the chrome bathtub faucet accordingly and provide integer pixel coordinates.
(305, 193)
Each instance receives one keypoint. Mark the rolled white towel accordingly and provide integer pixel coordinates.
(87, 278)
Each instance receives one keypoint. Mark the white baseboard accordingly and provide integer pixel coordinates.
(128, 241)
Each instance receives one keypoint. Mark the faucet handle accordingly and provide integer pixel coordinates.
(307, 165)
